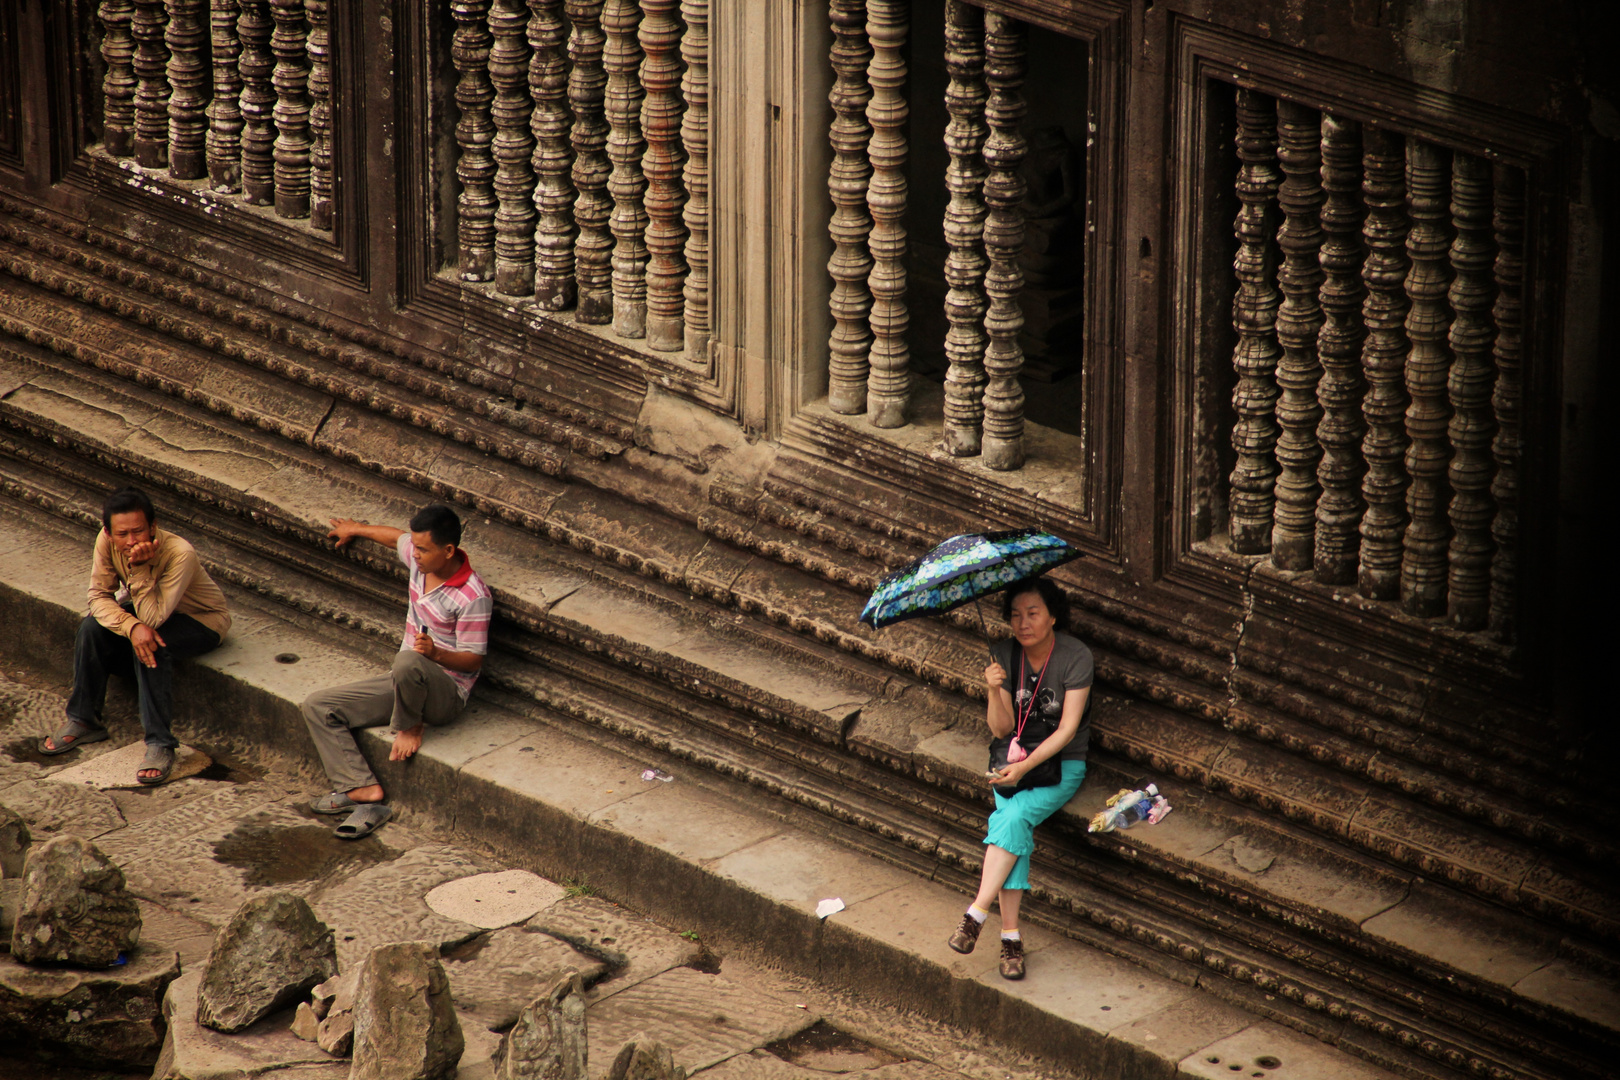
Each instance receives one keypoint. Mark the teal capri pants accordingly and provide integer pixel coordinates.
(1012, 824)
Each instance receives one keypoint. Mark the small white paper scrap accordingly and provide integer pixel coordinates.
(656, 774)
(829, 907)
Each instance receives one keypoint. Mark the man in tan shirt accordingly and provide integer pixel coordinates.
(151, 602)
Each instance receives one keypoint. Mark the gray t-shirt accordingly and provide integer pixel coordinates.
(1068, 668)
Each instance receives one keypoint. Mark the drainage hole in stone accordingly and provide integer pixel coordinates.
(286, 658)
(1213, 1060)
(1268, 1062)
(823, 1048)
(1235, 1068)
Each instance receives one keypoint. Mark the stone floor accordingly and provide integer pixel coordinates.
(195, 848)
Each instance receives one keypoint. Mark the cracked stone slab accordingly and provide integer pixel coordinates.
(764, 1065)
(495, 977)
(637, 947)
(387, 903)
(225, 802)
(117, 768)
(1275, 1053)
(231, 857)
(703, 1019)
(63, 809)
(494, 900)
(193, 1052)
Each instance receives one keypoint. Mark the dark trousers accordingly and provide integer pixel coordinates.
(99, 652)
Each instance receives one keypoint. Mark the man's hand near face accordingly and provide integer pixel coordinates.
(141, 552)
(146, 642)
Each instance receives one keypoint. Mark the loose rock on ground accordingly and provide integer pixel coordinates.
(74, 907)
(405, 1025)
(272, 951)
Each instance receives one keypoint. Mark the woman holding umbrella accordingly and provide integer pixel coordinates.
(1038, 681)
(1039, 687)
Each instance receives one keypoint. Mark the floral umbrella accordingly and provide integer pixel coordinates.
(961, 569)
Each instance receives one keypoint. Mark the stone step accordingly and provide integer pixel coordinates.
(1182, 741)
(696, 851)
(240, 475)
(1201, 854)
(1518, 853)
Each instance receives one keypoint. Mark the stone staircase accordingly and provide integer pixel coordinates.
(1389, 872)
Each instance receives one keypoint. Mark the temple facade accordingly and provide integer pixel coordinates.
(1288, 315)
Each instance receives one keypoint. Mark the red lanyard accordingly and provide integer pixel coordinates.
(1023, 714)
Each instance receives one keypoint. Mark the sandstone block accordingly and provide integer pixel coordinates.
(306, 1025)
(271, 953)
(74, 907)
(642, 1059)
(106, 1019)
(14, 841)
(549, 1041)
(336, 1034)
(405, 1025)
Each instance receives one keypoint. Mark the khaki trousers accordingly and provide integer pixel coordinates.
(416, 691)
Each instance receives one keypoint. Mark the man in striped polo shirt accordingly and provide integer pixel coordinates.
(446, 638)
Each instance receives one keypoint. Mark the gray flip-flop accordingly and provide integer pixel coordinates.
(157, 757)
(335, 802)
(364, 821)
(78, 731)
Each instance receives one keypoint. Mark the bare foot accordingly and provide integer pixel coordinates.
(406, 743)
(369, 794)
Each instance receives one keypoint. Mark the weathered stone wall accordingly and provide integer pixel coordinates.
(593, 287)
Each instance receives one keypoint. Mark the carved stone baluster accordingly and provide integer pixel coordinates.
(666, 197)
(514, 148)
(320, 114)
(587, 85)
(553, 156)
(850, 344)
(224, 140)
(695, 175)
(622, 59)
(1299, 319)
(965, 302)
(1468, 587)
(888, 383)
(1506, 403)
(152, 90)
(258, 103)
(1338, 511)
(1383, 360)
(1004, 190)
(1254, 317)
(475, 209)
(291, 79)
(118, 85)
(1423, 564)
(188, 75)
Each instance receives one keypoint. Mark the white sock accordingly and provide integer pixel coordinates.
(978, 913)
(1010, 935)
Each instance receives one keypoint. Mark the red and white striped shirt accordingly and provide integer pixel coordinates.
(455, 615)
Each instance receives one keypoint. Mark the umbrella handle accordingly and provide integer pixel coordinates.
(979, 607)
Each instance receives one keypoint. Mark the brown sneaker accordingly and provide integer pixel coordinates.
(967, 935)
(1012, 959)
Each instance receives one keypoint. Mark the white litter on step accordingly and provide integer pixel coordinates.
(656, 774)
(829, 907)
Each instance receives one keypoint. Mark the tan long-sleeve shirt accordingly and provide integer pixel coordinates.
(172, 580)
